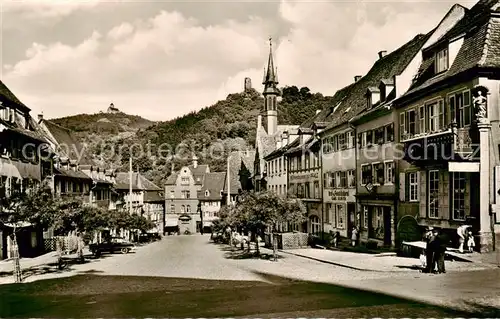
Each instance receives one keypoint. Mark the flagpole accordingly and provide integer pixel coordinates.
(228, 199)
(130, 187)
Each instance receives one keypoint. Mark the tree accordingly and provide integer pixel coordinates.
(35, 207)
(257, 212)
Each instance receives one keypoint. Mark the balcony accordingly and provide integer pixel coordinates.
(452, 144)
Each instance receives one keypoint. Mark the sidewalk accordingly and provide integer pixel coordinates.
(378, 263)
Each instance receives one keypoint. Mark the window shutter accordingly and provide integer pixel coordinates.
(451, 106)
(441, 114)
(422, 192)
(402, 187)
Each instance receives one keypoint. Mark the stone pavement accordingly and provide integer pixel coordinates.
(377, 263)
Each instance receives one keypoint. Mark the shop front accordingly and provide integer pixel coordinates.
(340, 211)
(377, 219)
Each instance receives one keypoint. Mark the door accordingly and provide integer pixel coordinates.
(351, 218)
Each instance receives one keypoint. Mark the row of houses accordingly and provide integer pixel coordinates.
(412, 143)
(35, 152)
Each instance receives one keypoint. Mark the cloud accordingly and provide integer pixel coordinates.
(171, 63)
(42, 9)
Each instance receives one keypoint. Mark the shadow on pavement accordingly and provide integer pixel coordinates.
(84, 296)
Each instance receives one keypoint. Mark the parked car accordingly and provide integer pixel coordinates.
(112, 245)
(149, 237)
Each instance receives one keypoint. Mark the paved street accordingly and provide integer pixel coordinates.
(180, 272)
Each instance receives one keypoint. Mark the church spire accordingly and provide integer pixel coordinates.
(270, 75)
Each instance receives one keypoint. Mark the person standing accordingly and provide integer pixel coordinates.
(429, 250)
(440, 244)
(354, 236)
(462, 233)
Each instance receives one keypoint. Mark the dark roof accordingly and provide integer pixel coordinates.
(172, 179)
(283, 149)
(307, 145)
(6, 95)
(139, 182)
(71, 173)
(154, 196)
(241, 168)
(480, 48)
(214, 184)
(67, 144)
(198, 174)
(351, 99)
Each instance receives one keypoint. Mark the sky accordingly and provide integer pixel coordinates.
(162, 59)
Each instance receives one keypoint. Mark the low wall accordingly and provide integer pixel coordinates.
(287, 240)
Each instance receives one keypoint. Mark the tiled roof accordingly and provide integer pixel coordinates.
(125, 186)
(283, 149)
(214, 184)
(68, 145)
(241, 168)
(72, 174)
(308, 144)
(154, 196)
(172, 179)
(138, 182)
(351, 99)
(199, 172)
(480, 47)
(8, 96)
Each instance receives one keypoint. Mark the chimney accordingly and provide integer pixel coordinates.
(318, 111)
(173, 168)
(40, 117)
(284, 138)
(259, 122)
(195, 161)
(357, 78)
(382, 54)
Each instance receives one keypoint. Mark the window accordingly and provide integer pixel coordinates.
(329, 214)
(363, 139)
(333, 183)
(380, 135)
(172, 194)
(467, 108)
(337, 179)
(369, 138)
(389, 132)
(279, 165)
(183, 209)
(307, 193)
(335, 143)
(442, 61)
(411, 122)
(315, 225)
(350, 139)
(316, 190)
(389, 172)
(413, 186)
(343, 179)
(340, 217)
(433, 194)
(299, 163)
(460, 108)
(458, 195)
(366, 174)
(172, 208)
(378, 170)
(308, 163)
(342, 142)
(188, 209)
(432, 111)
(185, 194)
(421, 119)
(185, 180)
(351, 178)
(365, 217)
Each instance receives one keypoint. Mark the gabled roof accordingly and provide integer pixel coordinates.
(282, 149)
(67, 144)
(214, 184)
(71, 173)
(352, 100)
(307, 145)
(139, 182)
(198, 174)
(7, 96)
(480, 48)
(241, 168)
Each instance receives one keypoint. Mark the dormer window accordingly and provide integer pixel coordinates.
(442, 60)
(386, 87)
(207, 193)
(372, 97)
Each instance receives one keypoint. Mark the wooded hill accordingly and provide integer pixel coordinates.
(230, 123)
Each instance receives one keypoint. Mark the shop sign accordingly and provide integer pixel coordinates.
(302, 177)
(338, 195)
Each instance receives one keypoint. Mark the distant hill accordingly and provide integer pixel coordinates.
(230, 123)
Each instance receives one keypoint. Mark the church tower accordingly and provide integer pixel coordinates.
(271, 93)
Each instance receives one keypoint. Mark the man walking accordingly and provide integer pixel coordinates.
(429, 239)
(441, 243)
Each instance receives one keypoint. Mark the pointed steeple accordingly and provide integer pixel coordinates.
(270, 80)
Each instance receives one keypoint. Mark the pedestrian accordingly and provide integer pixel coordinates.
(336, 239)
(441, 241)
(354, 236)
(461, 232)
(429, 252)
(470, 242)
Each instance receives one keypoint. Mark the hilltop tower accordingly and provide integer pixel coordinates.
(271, 93)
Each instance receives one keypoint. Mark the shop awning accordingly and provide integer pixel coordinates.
(465, 167)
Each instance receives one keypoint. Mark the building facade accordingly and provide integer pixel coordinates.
(210, 197)
(181, 201)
